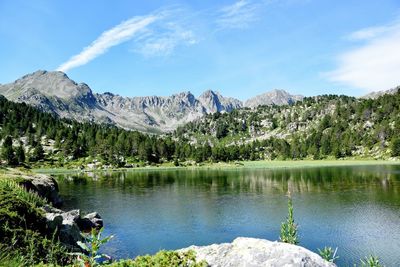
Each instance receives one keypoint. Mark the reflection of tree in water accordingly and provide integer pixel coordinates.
(300, 180)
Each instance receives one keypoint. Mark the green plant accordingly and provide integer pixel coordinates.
(24, 237)
(289, 227)
(163, 258)
(21, 193)
(371, 261)
(10, 259)
(328, 254)
(395, 145)
(91, 248)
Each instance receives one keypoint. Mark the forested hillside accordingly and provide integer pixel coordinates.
(44, 137)
(317, 127)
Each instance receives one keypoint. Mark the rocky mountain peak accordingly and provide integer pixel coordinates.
(210, 93)
(47, 83)
(213, 101)
(186, 96)
(274, 97)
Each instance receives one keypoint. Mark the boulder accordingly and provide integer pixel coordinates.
(70, 233)
(72, 216)
(90, 221)
(65, 223)
(53, 221)
(70, 224)
(44, 185)
(253, 252)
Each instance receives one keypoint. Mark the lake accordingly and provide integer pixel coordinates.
(356, 209)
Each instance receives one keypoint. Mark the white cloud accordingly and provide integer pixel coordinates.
(375, 65)
(374, 32)
(115, 36)
(238, 15)
(162, 42)
(368, 33)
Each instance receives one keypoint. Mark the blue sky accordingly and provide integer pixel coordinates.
(239, 48)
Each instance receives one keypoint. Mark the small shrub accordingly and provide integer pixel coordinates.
(328, 254)
(163, 259)
(289, 227)
(371, 261)
(91, 247)
(21, 193)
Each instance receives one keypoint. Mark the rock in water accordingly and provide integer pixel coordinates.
(65, 223)
(70, 224)
(89, 221)
(253, 252)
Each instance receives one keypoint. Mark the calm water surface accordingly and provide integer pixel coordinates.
(356, 209)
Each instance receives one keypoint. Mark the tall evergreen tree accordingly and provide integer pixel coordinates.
(7, 152)
(20, 153)
(38, 152)
(396, 147)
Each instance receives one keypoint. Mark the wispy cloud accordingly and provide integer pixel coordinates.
(375, 64)
(162, 42)
(159, 34)
(121, 33)
(373, 32)
(238, 15)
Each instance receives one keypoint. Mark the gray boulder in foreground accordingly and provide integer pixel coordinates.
(253, 252)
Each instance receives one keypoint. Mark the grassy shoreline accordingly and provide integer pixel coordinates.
(275, 164)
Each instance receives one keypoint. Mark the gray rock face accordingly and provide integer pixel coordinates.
(252, 252)
(276, 97)
(54, 92)
(215, 102)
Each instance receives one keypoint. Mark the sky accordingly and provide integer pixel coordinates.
(240, 48)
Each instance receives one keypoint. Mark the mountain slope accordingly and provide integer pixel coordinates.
(374, 95)
(55, 92)
(277, 97)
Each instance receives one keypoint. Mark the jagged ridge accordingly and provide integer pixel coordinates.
(55, 92)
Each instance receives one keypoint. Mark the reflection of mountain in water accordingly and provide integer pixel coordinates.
(326, 179)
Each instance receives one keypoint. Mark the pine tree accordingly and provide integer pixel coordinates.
(20, 153)
(38, 152)
(396, 147)
(7, 152)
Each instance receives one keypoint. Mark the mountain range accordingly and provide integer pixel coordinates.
(55, 92)
(374, 95)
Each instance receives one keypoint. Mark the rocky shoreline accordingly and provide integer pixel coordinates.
(68, 224)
